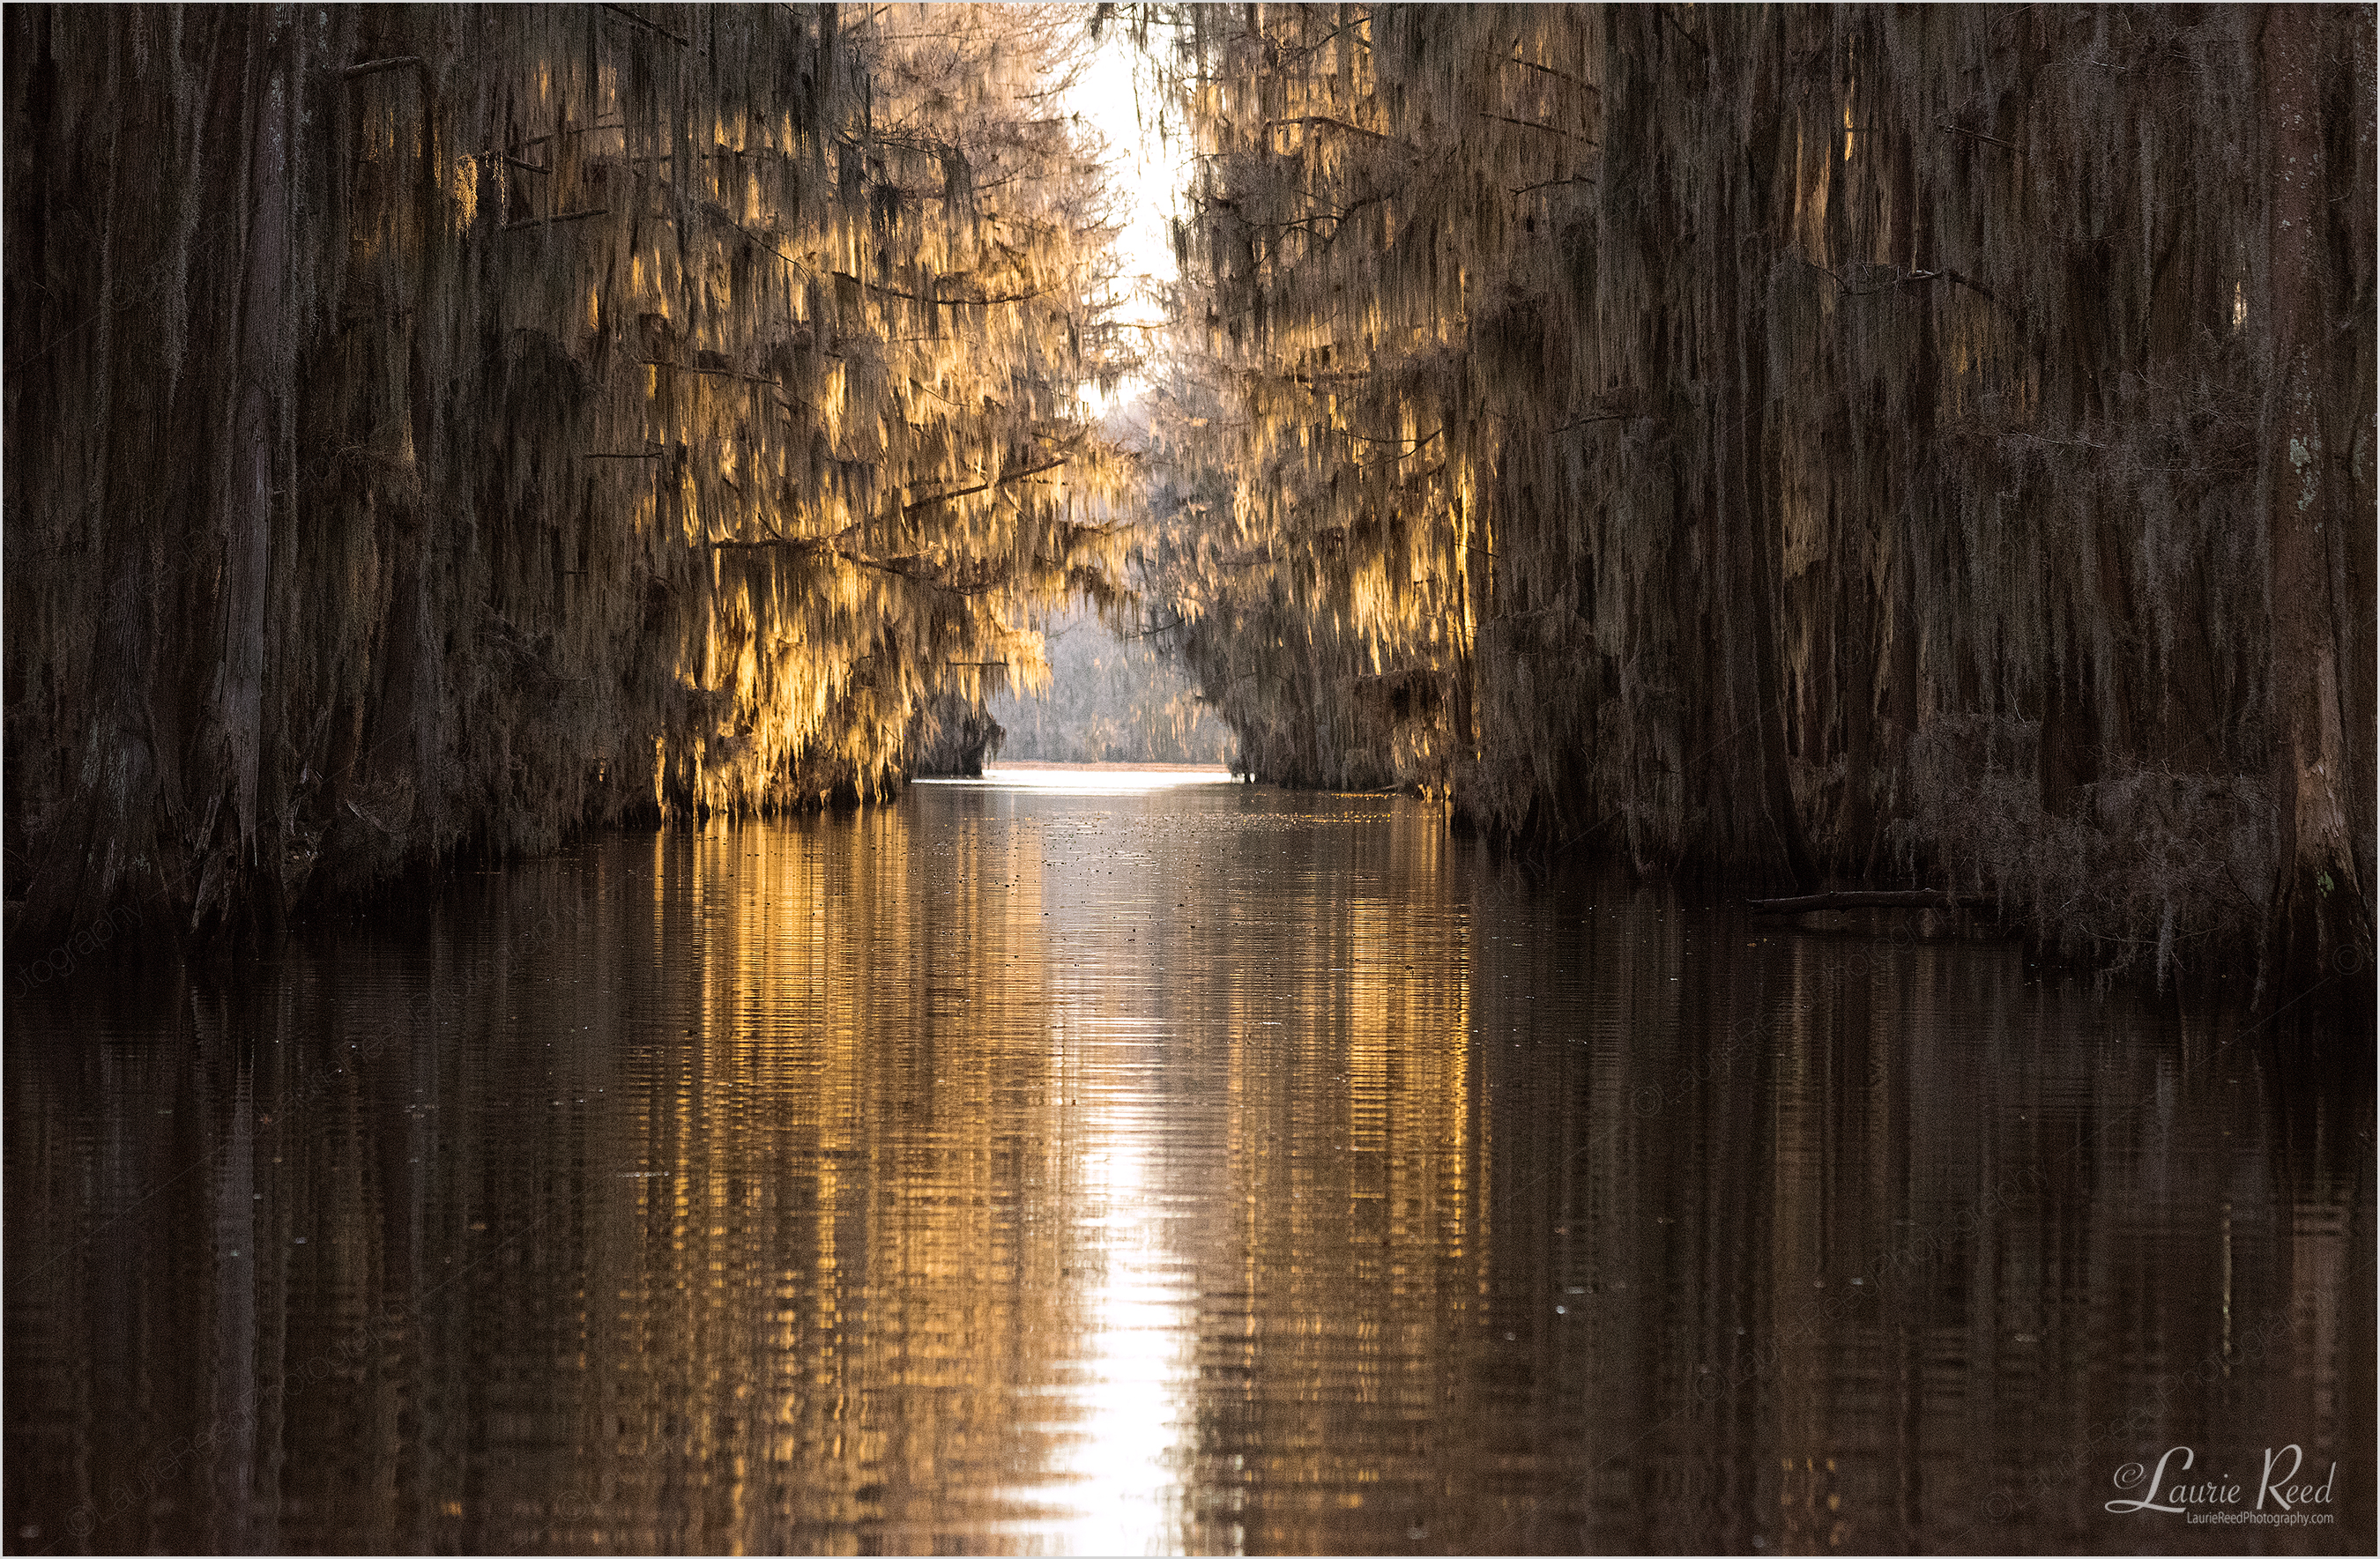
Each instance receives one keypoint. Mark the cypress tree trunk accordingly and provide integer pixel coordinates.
(257, 439)
(2309, 532)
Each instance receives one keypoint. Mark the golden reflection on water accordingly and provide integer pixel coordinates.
(1091, 1165)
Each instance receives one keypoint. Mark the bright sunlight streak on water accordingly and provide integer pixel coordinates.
(1091, 780)
(1132, 1404)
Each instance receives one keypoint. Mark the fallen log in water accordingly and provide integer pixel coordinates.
(1856, 899)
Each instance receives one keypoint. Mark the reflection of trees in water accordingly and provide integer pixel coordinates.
(834, 1292)
(1532, 1220)
(759, 1281)
(1800, 1249)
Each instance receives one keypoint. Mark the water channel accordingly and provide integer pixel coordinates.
(1128, 1162)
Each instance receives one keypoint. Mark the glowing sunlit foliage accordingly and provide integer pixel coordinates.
(458, 424)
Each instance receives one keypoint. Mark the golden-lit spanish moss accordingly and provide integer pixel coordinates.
(1855, 445)
(437, 425)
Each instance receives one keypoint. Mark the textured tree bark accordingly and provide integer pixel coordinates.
(1750, 494)
(2318, 880)
(257, 430)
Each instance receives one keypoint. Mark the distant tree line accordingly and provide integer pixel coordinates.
(1111, 699)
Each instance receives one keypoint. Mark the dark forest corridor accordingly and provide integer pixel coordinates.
(1831, 448)
(1743, 918)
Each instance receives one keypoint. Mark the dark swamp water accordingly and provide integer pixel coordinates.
(1027, 1169)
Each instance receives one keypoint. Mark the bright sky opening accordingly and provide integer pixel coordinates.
(1114, 97)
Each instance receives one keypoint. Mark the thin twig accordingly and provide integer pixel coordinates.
(549, 221)
(1179, 622)
(1564, 75)
(1856, 899)
(1914, 278)
(1534, 124)
(1668, 15)
(711, 373)
(935, 302)
(653, 26)
(539, 140)
(1962, 280)
(1326, 120)
(1003, 477)
(1963, 130)
(374, 67)
(1547, 183)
